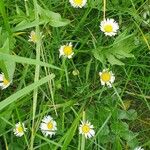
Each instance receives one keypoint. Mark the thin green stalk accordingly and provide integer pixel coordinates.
(83, 137)
(116, 92)
(26, 7)
(104, 9)
(37, 72)
(5, 141)
(64, 66)
(47, 71)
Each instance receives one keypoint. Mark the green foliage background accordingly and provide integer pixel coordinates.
(44, 84)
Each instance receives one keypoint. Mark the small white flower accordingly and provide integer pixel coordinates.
(139, 148)
(109, 27)
(66, 50)
(4, 83)
(19, 129)
(86, 129)
(33, 37)
(78, 3)
(107, 77)
(48, 126)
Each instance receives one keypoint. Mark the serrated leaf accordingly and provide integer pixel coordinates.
(54, 19)
(119, 127)
(122, 54)
(113, 61)
(129, 115)
(99, 55)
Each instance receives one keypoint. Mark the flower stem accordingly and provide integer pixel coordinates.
(83, 137)
(37, 73)
(104, 9)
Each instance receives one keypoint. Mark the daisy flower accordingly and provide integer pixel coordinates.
(33, 37)
(4, 83)
(139, 148)
(66, 50)
(48, 126)
(19, 129)
(109, 27)
(107, 77)
(86, 129)
(78, 3)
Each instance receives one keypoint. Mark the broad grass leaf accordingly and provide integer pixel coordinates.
(25, 24)
(14, 97)
(70, 133)
(23, 60)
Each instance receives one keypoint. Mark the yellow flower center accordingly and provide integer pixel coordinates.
(20, 129)
(108, 28)
(50, 125)
(106, 76)
(67, 50)
(85, 128)
(5, 81)
(78, 2)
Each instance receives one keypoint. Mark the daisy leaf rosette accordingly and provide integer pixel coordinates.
(116, 52)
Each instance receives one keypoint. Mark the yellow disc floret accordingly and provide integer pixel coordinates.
(5, 81)
(67, 50)
(20, 129)
(50, 125)
(85, 128)
(78, 2)
(106, 76)
(108, 28)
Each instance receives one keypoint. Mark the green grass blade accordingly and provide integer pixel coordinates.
(30, 61)
(14, 97)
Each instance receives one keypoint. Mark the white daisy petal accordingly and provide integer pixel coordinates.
(138, 148)
(109, 27)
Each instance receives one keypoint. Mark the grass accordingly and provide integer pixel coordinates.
(43, 84)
